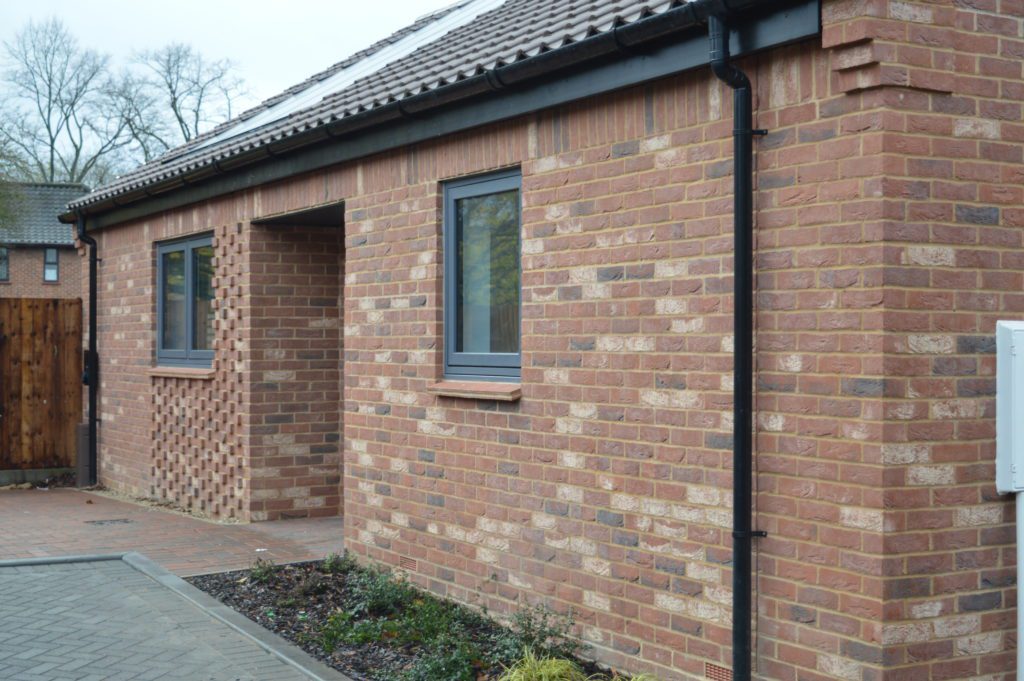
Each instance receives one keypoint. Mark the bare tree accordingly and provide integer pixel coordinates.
(148, 124)
(65, 115)
(196, 93)
(12, 165)
(58, 116)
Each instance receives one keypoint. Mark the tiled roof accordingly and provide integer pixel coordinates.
(32, 210)
(513, 32)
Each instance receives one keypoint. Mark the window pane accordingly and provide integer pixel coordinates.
(4, 270)
(50, 264)
(173, 296)
(202, 298)
(487, 287)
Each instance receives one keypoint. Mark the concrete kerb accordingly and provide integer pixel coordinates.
(60, 560)
(268, 641)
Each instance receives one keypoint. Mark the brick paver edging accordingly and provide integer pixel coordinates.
(268, 641)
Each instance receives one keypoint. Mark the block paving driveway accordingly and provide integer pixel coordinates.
(106, 619)
(61, 522)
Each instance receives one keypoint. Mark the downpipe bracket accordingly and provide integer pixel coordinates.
(749, 535)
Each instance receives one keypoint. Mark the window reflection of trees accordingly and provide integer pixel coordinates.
(174, 300)
(203, 298)
(488, 251)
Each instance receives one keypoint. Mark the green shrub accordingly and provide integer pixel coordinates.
(342, 628)
(311, 585)
(262, 571)
(334, 564)
(452, 643)
(422, 621)
(537, 629)
(532, 668)
(374, 592)
(448, 659)
(429, 619)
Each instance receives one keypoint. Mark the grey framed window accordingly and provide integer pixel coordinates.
(5, 265)
(51, 264)
(184, 302)
(482, 290)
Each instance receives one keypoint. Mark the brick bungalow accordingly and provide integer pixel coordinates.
(37, 252)
(473, 287)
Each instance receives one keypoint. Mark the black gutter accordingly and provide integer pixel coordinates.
(91, 377)
(650, 48)
(743, 341)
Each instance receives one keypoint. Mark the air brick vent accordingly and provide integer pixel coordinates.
(407, 563)
(717, 672)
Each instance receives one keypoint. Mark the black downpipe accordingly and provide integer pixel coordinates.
(92, 364)
(743, 341)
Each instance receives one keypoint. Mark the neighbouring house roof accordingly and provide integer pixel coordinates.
(32, 210)
(468, 49)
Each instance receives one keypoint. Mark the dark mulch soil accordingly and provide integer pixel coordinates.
(280, 606)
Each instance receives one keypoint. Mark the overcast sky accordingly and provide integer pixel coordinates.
(275, 43)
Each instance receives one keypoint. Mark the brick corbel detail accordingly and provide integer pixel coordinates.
(879, 48)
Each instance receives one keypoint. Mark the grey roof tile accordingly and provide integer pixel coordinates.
(517, 30)
(33, 211)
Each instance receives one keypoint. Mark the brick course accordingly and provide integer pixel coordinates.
(889, 241)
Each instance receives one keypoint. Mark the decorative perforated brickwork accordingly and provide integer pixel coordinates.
(258, 437)
(198, 460)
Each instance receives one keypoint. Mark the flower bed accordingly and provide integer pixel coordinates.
(373, 626)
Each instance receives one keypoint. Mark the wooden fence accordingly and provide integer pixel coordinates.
(40, 382)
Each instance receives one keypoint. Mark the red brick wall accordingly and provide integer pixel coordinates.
(948, 151)
(888, 243)
(296, 349)
(256, 437)
(606, 489)
(25, 269)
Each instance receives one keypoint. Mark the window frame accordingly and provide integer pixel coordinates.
(47, 264)
(468, 365)
(5, 268)
(189, 356)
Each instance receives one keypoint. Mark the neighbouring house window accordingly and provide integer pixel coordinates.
(482, 282)
(185, 302)
(51, 265)
(5, 267)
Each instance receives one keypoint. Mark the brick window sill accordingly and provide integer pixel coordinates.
(477, 390)
(182, 372)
